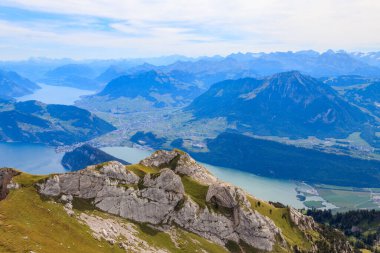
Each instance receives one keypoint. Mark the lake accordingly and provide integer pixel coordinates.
(41, 159)
(31, 158)
(50, 94)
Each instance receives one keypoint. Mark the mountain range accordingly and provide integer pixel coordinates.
(285, 104)
(157, 88)
(35, 122)
(79, 76)
(208, 70)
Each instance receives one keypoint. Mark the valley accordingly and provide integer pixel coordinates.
(172, 123)
(39, 159)
(189, 126)
(260, 154)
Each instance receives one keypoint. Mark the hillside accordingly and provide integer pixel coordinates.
(148, 138)
(158, 88)
(286, 104)
(86, 155)
(141, 92)
(361, 226)
(367, 97)
(347, 80)
(276, 160)
(13, 85)
(35, 122)
(166, 203)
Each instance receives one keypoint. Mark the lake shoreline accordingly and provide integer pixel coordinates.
(43, 159)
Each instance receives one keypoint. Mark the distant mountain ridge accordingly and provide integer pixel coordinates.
(156, 87)
(13, 85)
(206, 71)
(285, 104)
(81, 76)
(35, 122)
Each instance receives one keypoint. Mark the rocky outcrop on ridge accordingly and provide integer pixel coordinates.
(170, 189)
(181, 163)
(160, 198)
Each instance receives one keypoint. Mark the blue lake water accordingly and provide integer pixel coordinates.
(31, 158)
(56, 94)
(41, 159)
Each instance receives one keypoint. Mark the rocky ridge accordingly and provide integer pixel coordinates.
(163, 191)
(167, 193)
(160, 198)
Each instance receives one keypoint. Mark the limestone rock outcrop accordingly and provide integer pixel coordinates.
(169, 189)
(302, 221)
(181, 163)
(222, 214)
(226, 195)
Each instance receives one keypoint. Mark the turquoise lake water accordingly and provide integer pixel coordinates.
(41, 159)
(31, 158)
(56, 95)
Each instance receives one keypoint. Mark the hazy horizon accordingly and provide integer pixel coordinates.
(99, 29)
(193, 57)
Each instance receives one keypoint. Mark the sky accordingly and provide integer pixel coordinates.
(89, 29)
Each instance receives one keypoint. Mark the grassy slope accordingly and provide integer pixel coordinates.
(141, 170)
(29, 223)
(195, 190)
(186, 242)
(43, 225)
(280, 216)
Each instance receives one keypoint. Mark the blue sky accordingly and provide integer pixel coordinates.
(129, 28)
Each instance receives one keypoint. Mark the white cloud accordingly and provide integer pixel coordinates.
(152, 27)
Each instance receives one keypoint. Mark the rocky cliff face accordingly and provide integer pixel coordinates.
(161, 199)
(170, 189)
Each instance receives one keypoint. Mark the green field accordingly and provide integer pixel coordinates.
(347, 198)
(313, 204)
(355, 137)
